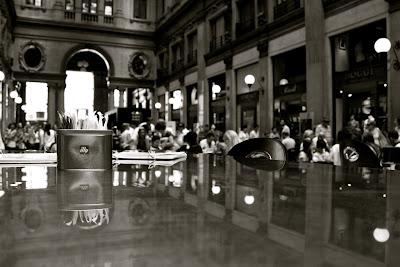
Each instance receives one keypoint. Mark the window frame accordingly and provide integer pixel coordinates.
(73, 5)
(112, 8)
(137, 2)
(90, 10)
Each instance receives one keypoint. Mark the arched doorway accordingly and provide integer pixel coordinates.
(87, 82)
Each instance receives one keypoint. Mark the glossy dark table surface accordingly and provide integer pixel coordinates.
(206, 211)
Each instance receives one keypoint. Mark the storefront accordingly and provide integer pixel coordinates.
(175, 102)
(290, 99)
(217, 94)
(248, 97)
(360, 76)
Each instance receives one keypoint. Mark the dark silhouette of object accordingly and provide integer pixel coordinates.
(356, 153)
(260, 153)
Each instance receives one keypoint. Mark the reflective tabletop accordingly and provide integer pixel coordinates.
(209, 210)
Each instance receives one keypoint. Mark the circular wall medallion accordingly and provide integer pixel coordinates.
(351, 154)
(139, 65)
(32, 57)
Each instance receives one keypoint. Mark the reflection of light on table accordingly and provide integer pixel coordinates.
(35, 177)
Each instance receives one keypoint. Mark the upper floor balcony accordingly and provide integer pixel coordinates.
(285, 7)
(245, 26)
(219, 41)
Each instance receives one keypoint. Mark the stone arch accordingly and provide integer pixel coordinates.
(90, 48)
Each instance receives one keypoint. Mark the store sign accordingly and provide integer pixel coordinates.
(361, 74)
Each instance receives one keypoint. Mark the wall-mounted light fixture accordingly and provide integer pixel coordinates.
(18, 100)
(2, 76)
(249, 80)
(249, 198)
(215, 89)
(157, 105)
(283, 82)
(383, 45)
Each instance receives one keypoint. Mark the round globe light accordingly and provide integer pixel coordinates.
(216, 89)
(157, 105)
(18, 100)
(171, 179)
(381, 234)
(283, 82)
(2, 76)
(382, 45)
(157, 173)
(249, 79)
(14, 94)
(23, 107)
(171, 101)
(249, 199)
(216, 189)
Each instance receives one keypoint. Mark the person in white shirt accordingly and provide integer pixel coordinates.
(49, 139)
(243, 135)
(324, 129)
(334, 154)
(285, 128)
(208, 144)
(126, 137)
(287, 141)
(321, 154)
(255, 133)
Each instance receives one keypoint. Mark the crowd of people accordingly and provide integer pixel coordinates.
(315, 145)
(19, 137)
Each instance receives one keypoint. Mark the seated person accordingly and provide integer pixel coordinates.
(155, 143)
(394, 138)
(321, 154)
(208, 144)
(190, 144)
(287, 141)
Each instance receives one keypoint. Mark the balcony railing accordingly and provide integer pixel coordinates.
(108, 20)
(192, 57)
(89, 17)
(177, 65)
(70, 15)
(219, 41)
(244, 27)
(285, 8)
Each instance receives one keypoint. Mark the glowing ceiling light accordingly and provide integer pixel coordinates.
(283, 82)
(157, 105)
(157, 173)
(18, 100)
(14, 94)
(249, 199)
(249, 80)
(216, 89)
(382, 45)
(381, 234)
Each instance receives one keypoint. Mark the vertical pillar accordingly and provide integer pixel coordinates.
(51, 103)
(60, 89)
(318, 95)
(202, 85)
(121, 97)
(230, 99)
(393, 34)
(392, 210)
(266, 93)
(183, 111)
(270, 8)
(111, 99)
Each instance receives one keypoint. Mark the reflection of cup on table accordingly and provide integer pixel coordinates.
(85, 197)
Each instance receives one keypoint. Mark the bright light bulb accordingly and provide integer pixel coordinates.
(157, 105)
(171, 101)
(381, 234)
(171, 179)
(382, 45)
(18, 100)
(14, 94)
(216, 189)
(157, 173)
(283, 82)
(23, 107)
(249, 199)
(249, 79)
(2, 193)
(2, 76)
(216, 89)
(350, 95)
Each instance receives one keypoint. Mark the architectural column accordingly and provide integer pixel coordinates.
(319, 97)
(111, 100)
(183, 112)
(52, 104)
(202, 84)
(230, 99)
(121, 97)
(393, 34)
(60, 96)
(266, 95)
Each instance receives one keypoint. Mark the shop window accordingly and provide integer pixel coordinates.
(89, 6)
(192, 48)
(116, 98)
(140, 9)
(108, 7)
(69, 5)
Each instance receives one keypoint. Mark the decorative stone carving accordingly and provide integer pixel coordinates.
(32, 57)
(139, 65)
